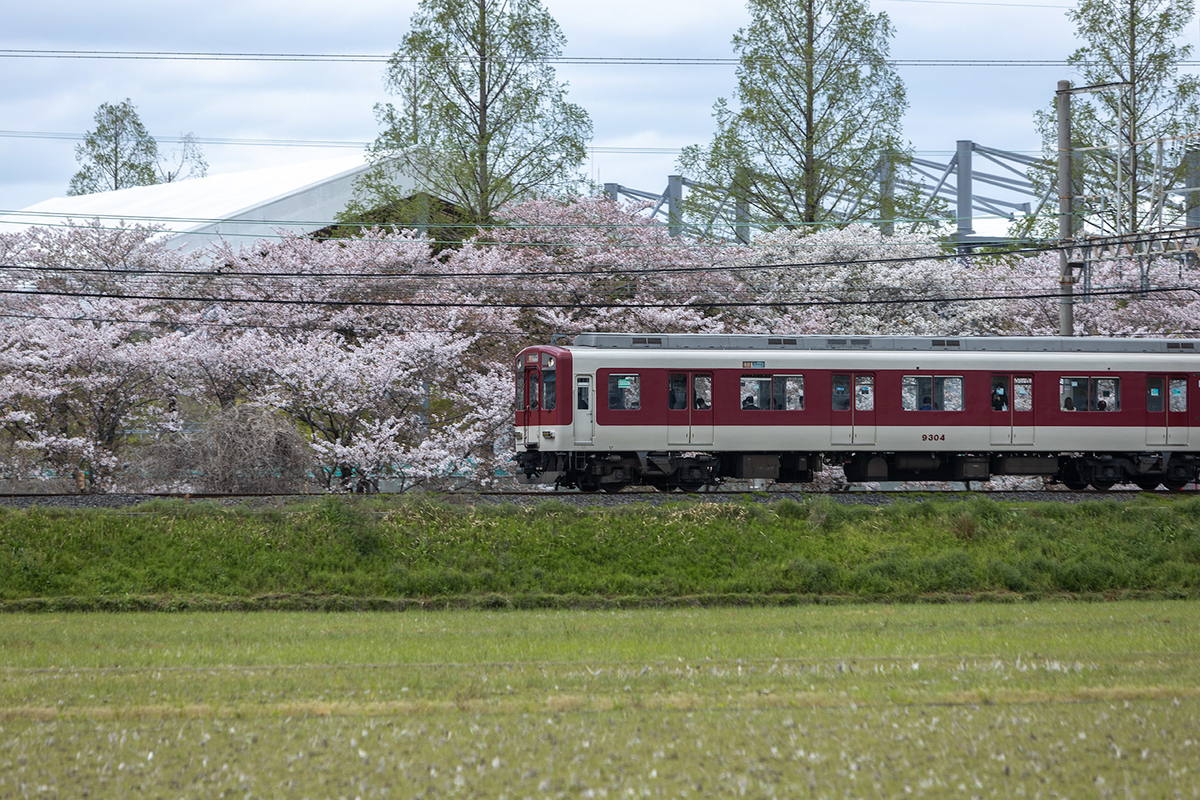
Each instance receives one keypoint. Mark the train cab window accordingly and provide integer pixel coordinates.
(937, 393)
(702, 391)
(1089, 394)
(531, 386)
(624, 392)
(548, 389)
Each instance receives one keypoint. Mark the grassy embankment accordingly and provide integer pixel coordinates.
(399, 552)
(1004, 700)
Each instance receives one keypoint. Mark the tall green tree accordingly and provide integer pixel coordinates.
(120, 153)
(1138, 43)
(117, 154)
(482, 119)
(816, 112)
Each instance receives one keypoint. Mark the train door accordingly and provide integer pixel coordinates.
(689, 408)
(1012, 409)
(1166, 409)
(530, 395)
(852, 415)
(585, 415)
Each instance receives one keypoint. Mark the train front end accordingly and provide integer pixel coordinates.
(543, 412)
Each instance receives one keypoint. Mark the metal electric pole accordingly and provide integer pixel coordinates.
(1066, 196)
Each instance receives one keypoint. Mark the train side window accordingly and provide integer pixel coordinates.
(1106, 394)
(677, 392)
(624, 392)
(773, 392)
(787, 392)
(1177, 396)
(756, 392)
(1000, 394)
(1154, 394)
(702, 391)
(1073, 394)
(864, 392)
(932, 393)
(841, 393)
(1089, 394)
(1022, 393)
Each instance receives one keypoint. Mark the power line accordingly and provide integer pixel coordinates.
(976, 3)
(598, 270)
(166, 55)
(592, 305)
(237, 325)
(330, 143)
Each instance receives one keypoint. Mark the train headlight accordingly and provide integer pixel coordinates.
(547, 434)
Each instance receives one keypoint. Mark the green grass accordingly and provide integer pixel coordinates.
(1049, 698)
(390, 553)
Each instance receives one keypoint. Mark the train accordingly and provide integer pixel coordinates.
(690, 411)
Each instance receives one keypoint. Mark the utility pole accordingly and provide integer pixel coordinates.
(1066, 197)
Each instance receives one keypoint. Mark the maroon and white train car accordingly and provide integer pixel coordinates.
(689, 410)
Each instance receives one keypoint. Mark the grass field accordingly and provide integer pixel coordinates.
(345, 554)
(993, 700)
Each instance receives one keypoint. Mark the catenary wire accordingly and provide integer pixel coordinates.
(375, 58)
(615, 271)
(592, 305)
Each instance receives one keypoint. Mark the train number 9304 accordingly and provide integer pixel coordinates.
(933, 437)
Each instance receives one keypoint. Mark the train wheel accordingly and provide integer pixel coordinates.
(1103, 486)
(1174, 486)
(587, 484)
(691, 488)
(1073, 473)
(1146, 484)
(613, 488)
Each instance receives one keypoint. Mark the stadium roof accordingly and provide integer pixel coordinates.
(240, 206)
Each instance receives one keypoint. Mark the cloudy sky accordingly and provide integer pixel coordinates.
(258, 111)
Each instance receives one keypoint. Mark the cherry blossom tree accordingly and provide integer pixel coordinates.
(855, 280)
(592, 264)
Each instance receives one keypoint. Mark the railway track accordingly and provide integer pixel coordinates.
(627, 497)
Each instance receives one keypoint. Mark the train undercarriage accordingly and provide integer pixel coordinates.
(668, 470)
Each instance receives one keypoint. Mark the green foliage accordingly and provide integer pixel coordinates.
(817, 113)
(420, 550)
(120, 153)
(443, 222)
(1140, 43)
(482, 119)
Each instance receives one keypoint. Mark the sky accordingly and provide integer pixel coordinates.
(641, 115)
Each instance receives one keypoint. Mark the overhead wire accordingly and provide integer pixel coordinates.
(377, 58)
(602, 269)
(514, 304)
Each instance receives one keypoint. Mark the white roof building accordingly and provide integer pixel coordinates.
(239, 206)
